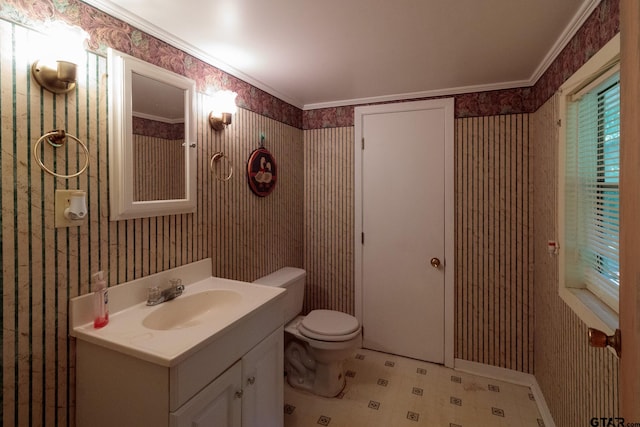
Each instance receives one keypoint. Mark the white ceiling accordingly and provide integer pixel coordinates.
(315, 54)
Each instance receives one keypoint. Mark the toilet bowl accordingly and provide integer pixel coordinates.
(316, 344)
(316, 363)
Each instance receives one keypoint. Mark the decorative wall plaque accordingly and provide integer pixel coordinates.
(262, 172)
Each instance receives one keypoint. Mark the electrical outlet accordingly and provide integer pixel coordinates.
(62, 202)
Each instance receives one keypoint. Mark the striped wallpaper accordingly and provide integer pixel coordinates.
(306, 222)
(256, 235)
(158, 166)
(42, 267)
(329, 219)
(499, 160)
(494, 281)
(578, 382)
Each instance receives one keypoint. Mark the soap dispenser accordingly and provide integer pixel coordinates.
(100, 301)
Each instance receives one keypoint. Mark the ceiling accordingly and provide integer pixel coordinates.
(316, 54)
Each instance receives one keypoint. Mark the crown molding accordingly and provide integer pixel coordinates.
(569, 32)
(418, 95)
(145, 26)
(156, 118)
(583, 13)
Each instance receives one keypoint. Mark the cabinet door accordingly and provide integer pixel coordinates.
(217, 405)
(263, 383)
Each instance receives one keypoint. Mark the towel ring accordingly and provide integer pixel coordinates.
(57, 138)
(216, 157)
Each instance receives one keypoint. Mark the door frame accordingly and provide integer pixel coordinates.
(446, 104)
(629, 382)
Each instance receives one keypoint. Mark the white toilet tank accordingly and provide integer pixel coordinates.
(293, 280)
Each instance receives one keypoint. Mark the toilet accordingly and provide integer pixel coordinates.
(316, 345)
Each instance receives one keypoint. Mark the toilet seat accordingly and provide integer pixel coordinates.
(329, 325)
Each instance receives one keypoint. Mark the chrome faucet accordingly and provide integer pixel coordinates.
(158, 296)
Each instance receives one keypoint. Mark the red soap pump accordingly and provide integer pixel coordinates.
(100, 301)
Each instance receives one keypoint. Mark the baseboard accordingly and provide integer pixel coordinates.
(514, 377)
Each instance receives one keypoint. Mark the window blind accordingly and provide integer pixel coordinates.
(592, 189)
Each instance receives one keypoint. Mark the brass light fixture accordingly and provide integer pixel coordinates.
(61, 79)
(219, 122)
(57, 53)
(223, 105)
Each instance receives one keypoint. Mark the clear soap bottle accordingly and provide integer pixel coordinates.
(100, 301)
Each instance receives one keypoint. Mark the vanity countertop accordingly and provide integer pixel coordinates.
(126, 331)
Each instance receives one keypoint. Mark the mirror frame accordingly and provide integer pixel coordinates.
(122, 206)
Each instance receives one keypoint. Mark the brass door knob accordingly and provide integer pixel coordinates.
(435, 262)
(600, 339)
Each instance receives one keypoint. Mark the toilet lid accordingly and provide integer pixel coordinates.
(328, 323)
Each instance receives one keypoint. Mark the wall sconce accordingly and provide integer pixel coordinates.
(60, 49)
(223, 106)
(61, 79)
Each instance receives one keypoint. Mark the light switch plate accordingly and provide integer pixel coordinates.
(62, 201)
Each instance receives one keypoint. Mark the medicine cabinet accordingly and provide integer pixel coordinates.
(152, 139)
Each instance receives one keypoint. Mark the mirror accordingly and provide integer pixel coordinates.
(152, 142)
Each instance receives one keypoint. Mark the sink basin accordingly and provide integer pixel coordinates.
(170, 333)
(191, 310)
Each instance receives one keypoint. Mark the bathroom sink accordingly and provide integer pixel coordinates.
(200, 319)
(191, 310)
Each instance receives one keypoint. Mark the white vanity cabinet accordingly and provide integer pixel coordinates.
(218, 364)
(248, 394)
(117, 389)
(263, 383)
(219, 404)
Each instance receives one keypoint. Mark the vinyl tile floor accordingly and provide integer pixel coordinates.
(387, 390)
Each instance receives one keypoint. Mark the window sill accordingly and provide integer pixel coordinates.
(590, 309)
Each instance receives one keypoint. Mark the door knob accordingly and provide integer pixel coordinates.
(600, 339)
(435, 262)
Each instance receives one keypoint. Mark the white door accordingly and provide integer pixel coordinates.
(404, 229)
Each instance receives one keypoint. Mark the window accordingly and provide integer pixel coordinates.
(592, 198)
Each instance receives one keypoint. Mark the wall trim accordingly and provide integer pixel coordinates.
(583, 13)
(570, 30)
(511, 376)
(145, 26)
(517, 84)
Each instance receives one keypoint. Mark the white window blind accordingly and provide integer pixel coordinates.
(592, 192)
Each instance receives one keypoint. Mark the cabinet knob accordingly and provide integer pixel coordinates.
(251, 380)
(238, 394)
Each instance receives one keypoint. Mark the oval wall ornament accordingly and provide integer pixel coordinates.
(261, 172)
